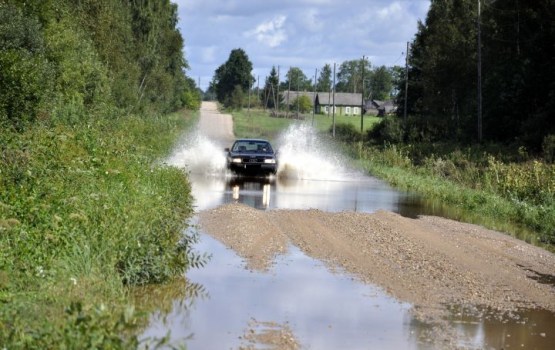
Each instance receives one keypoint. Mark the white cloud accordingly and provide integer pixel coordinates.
(300, 33)
(270, 33)
(390, 11)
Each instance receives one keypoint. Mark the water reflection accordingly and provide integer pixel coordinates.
(363, 194)
(324, 310)
(530, 329)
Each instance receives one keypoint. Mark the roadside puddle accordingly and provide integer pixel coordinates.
(488, 329)
(300, 304)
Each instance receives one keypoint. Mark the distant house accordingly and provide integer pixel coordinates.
(380, 108)
(345, 103)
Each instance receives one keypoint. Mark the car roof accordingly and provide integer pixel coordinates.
(254, 140)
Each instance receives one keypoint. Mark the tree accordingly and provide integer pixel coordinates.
(442, 75)
(350, 75)
(324, 80)
(236, 71)
(296, 80)
(269, 98)
(236, 99)
(24, 68)
(303, 103)
(381, 83)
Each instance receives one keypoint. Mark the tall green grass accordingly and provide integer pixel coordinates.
(519, 192)
(86, 210)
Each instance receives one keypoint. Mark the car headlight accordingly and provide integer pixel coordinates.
(270, 161)
(236, 160)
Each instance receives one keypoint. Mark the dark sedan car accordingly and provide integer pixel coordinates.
(252, 156)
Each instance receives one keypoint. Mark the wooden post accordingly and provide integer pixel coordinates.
(333, 106)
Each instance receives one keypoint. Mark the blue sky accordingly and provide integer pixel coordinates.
(297, 33)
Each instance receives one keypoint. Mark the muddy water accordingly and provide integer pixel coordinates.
(323, 309)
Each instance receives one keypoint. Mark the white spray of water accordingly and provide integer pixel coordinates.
(199, 155)
(303, 155)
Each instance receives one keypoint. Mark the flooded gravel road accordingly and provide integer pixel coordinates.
(319, 258)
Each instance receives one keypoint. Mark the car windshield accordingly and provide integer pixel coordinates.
(251, 146)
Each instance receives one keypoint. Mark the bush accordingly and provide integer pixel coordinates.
(24, 69)
(389, 130)
(346, 132)
(303, 103)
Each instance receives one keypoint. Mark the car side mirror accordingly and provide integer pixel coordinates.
(226, 149)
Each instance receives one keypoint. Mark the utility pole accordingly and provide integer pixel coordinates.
(288, 92)
(362, 99)
(298, 95)
(276, 103)
(314, 96)
(479, 73)
(249, 105)
(333, 93)
(406, 82)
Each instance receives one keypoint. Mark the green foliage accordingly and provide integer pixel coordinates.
(350, 75)
(346, 132)
(236, 99)
(303, 102)
(521, 193)
(518, 90)
(81, 80)
(85, 209)
(24, 69)
(192, 96)
(324, 79)
(381, 83)
(65, 59)
(389, 130)
(296, 80)
(236, 71)
(270, 96)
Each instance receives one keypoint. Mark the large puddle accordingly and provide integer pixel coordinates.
(323, 309)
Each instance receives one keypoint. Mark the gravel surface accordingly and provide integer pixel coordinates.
(430, 262)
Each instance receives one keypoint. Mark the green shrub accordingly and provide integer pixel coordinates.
(346, 132)
(389, 130)
(25, 73)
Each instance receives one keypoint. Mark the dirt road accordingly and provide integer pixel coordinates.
(215, 125)
(430, 262)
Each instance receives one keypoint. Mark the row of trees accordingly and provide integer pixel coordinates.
(60, 58)
(518, 79)
(233, 79)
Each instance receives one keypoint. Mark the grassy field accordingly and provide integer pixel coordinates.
(87, 211)
(258, 123)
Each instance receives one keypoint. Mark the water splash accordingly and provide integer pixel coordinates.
(304, 155)
(199, 155)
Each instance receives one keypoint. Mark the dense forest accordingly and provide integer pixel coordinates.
(93, 93)
(517, 76)
(63, 59)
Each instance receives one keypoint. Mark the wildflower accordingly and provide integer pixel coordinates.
(73, 280)
(40, 272)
